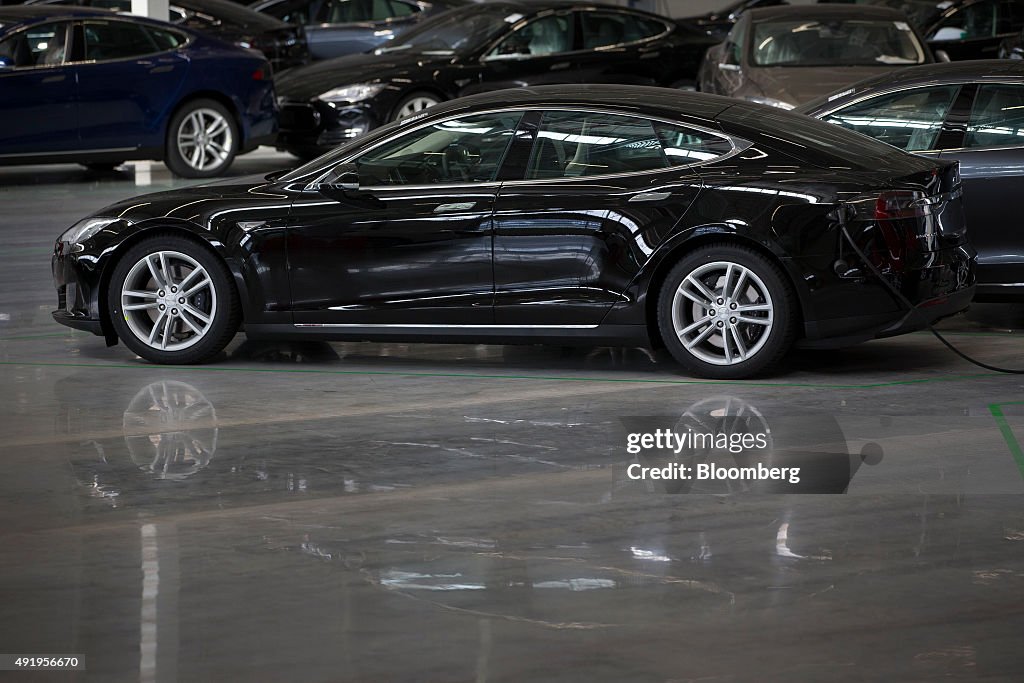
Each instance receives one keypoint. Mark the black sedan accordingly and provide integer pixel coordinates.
(282, 44)
(335, 28)
(598, 214)
(972, 112)
(490, 46)
(961, 29)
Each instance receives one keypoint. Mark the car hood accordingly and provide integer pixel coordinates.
(309, 81)
(797, 85)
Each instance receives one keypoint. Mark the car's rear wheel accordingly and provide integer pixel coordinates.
(726, 312)
(172, 301)
(414, 104)
(202, 140)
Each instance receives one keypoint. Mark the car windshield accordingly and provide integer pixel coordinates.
(840, 42)
(922, 13)
(458, 31)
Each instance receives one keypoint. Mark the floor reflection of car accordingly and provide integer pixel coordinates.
(972, 112)
(93, 87)
(581, 214)
(486, 46)
(283, 45)
(962, 29)
(342, 27)
(785, 56)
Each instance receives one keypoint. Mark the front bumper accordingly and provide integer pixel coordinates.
(77, 283)
(315, 127)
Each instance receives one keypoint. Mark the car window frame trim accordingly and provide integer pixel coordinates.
(189, 39)
(739, 145)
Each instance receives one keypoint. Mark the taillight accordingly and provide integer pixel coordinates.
(895, 204)
(262, 74)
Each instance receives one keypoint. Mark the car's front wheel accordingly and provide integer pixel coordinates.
(726, 312)
(172, 301)
(202, 140)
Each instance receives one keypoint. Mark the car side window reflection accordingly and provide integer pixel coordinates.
(910, 120)
(979, 20)
(469, 149)
(997, 118)
(41, 45)
(547, 36)
(579, 144)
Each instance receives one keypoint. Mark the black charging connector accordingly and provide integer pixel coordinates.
(914, 310)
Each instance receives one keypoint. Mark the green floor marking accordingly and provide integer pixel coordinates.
(1004, 427)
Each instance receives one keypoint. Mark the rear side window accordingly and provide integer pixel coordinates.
(351, 11)
(579, 144)
(166, 40)
(42, 45)
(116, 40)
(602, 29)
(997, 119)
(910, 120)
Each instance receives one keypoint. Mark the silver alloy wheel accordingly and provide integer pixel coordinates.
(723, 313)
(415, 105)
(170, 429)
(204, 139)
(168, 300)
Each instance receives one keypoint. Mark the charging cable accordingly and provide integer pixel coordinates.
(913, 309)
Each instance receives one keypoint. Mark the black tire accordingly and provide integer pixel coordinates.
(767, 342)
(410, 98)
(225, 308)
(173, 155)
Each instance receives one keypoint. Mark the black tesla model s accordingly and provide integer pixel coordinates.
(597, 214)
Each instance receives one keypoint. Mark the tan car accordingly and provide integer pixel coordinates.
(786, 56)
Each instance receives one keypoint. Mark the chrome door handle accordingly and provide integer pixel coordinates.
(650, 196)
(457, 206)
(560, 66)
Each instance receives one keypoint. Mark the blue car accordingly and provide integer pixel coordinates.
(97, 88)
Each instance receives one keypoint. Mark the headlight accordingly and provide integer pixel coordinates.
(352, 93)
(84, 229)
(772, 102)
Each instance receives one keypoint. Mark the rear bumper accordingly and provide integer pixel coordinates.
(943, 286)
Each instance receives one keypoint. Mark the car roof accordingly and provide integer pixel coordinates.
(664, 102)
(968, 71)
(22, 13)
(826, 11)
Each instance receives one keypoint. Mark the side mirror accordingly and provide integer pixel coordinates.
(6, 63)
(942, 56)
(342, 184)
(947, 33)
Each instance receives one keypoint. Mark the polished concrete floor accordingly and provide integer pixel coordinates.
(388, 512)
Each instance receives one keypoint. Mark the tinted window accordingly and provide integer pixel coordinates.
(166, 40)
(735, 43)
(575, 144)
(550, 35)
(910, 120)
(601, 29)
(463, 150)
(292, 12)
(351, 11)
(37, 46)
(469, 28)
(116, 40)
(842, 42)
(998, 117)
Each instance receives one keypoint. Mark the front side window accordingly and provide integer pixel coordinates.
(41, 45)
(603, 29)
(468, 149)
(997, 119)
(579, 144)
(106, 40)
(547, 36)
(734, 44)
(840, 42)
(910, 120)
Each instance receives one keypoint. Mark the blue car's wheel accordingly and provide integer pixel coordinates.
(202, 140)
